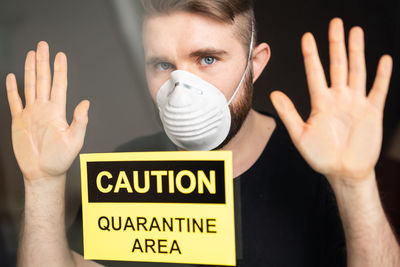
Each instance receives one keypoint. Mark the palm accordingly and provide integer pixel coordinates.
(344, 137)
(44, 144)
(343, 134)
(39, 134)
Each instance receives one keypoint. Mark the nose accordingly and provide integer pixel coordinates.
(178, 97)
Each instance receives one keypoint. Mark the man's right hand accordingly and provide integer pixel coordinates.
(43, 142)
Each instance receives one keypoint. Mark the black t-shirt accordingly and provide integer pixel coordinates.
(285, 213)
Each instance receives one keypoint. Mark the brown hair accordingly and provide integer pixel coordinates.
(223, 10)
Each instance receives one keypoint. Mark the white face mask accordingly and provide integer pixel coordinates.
(194, 113)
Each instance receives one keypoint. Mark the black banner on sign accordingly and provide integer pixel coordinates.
(156, 181)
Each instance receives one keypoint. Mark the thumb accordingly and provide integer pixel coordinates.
(288, 114)
(77, 129)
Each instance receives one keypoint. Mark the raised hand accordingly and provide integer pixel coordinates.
(44, 144)
(343, 134)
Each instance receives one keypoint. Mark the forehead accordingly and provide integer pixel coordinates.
(183, 32)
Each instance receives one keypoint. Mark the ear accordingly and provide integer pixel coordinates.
(261, 55)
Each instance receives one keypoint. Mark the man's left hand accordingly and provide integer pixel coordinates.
(343, 134)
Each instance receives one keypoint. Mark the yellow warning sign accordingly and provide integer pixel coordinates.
(172, 207)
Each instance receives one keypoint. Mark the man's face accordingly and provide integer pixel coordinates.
(194, 43)
(203, 46)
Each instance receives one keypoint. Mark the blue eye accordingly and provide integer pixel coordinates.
(207, 60)
(164, 66)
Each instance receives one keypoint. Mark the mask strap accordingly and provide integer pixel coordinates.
(247, 64)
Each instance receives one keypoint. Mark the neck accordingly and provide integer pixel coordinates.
(250, 141)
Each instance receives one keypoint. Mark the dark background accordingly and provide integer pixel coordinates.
(282, 23)
(101, 39)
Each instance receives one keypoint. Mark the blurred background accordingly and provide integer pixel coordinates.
(102, 41)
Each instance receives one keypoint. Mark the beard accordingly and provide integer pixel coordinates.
(240, 109)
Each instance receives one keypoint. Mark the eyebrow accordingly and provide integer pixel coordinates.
(156, 59)
(208, 52)
(195, 54)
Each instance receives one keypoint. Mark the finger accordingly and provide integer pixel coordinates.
(60, 81)
(30, 78)
(43, 75)
(380, 88)
(14, 99)
(337, 53)
(314, 71)
(78, 126)
(288, 114)
(357, 75)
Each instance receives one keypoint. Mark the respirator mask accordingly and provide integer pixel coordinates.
(194, 113)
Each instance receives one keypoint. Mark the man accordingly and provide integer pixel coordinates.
(205, 44)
